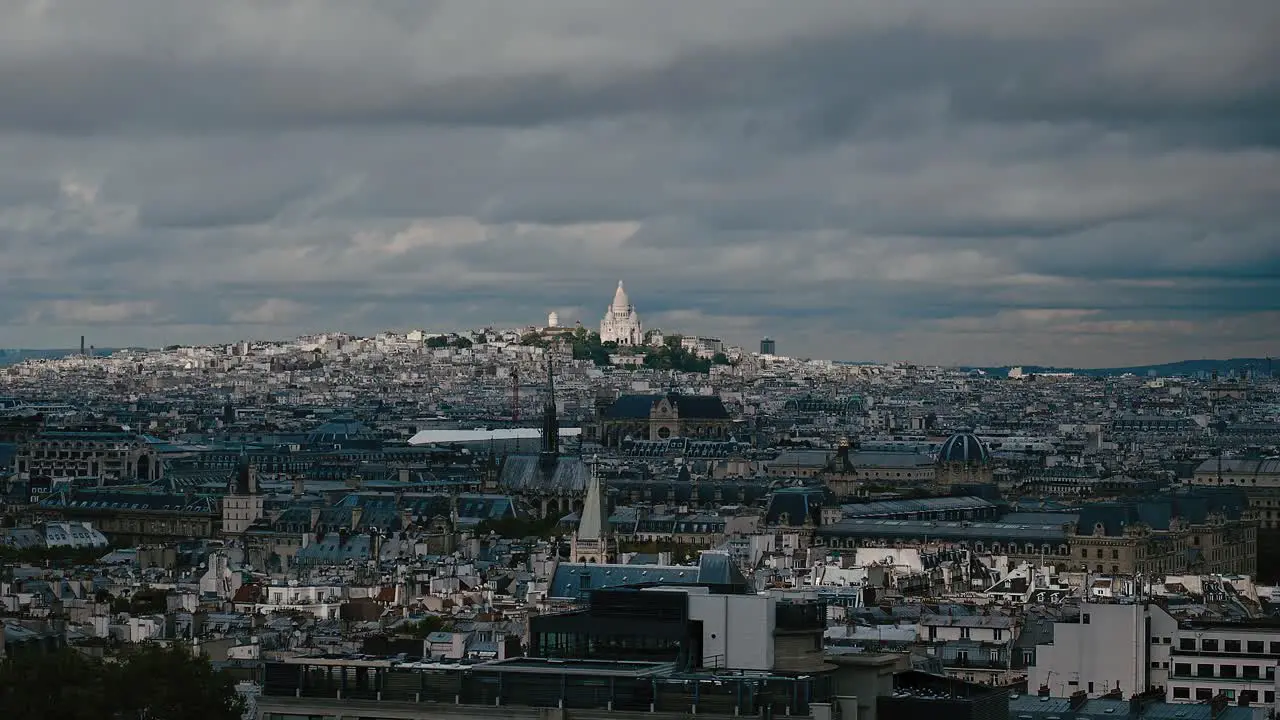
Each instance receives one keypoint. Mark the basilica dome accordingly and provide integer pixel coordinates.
(964, 448)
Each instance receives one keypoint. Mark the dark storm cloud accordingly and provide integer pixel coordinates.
(860, 179)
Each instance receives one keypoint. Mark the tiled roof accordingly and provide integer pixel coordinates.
(524, 473)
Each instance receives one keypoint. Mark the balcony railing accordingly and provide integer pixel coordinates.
(959, 662)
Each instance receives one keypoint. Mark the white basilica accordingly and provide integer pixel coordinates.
(621, 324)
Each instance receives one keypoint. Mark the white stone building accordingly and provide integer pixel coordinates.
(621, 323)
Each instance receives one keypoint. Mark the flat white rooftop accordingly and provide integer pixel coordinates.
(434, 437)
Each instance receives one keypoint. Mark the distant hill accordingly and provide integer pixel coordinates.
(11, 356)
(1237, 366)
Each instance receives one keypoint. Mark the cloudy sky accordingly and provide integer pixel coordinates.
(1083, 182)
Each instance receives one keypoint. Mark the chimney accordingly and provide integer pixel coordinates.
(315, 518)
(404, 474)
(299, 489)
(356, 513)
(1218, 705)
(1078, 699)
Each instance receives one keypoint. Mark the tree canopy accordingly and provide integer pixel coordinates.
(148, 681)
(587, 346)
(671, 356)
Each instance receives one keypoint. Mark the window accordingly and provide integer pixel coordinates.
(1155, 640)
(964, 633)
(1204, 670)
(997, 634)
(1254, 646)
(1182, 669)
(1204, 694)
(1028, 657)
(1269, 696)
(1166, 641)
(1275, 648)
(1250, 671)
(1182, 693)
(1231, 645)
(1086, 619)
(1227, 671)
(1091, 687)
(1099, 553)
(1084, 554)
(1209, 645)
(1115, 554)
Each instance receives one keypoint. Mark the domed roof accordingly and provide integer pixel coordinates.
(964, 448)
(620, 299)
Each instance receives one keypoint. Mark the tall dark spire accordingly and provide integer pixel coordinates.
(550, 421)
(245, 481)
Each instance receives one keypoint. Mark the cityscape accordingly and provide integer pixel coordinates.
(342, 521)
(843, 360)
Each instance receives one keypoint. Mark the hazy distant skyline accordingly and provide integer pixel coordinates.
(974, 182)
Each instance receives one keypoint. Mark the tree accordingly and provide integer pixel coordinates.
(720, 359)
(533, 338)
(149, 681)
(424, 627)
(438, 341)
(587, 346)
(671, 356)
(461, 343)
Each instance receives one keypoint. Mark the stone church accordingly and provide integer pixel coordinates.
(659, 417)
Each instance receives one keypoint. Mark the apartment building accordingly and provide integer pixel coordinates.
(1137, 647)
(1107, 647)
(1236, 660)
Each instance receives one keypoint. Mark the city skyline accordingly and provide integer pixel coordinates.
(970, 184)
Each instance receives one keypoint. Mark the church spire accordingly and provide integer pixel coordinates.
(591, 542)
(550, 421)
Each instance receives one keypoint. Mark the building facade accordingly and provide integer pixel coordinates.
(1258, 477)
(110, 454)
(1084, 655)
(1198, 531)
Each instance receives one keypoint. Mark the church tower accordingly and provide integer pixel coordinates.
(243, 504)
(550, 453)
(590, 543)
